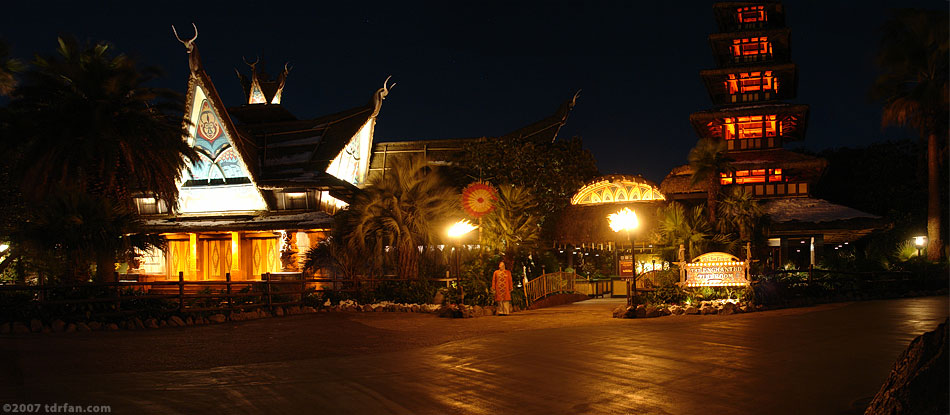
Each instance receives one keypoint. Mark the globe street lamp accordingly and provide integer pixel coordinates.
(626, 219)
(456, 232)
(920, 241)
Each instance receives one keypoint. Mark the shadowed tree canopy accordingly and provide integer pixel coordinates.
(551, 171)
(83, 118)
(708, 160)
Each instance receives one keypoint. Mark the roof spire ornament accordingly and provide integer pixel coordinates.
(381, 95)
(194, 62)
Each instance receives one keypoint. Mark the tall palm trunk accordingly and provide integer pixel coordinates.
(712, 193)
(105, 266)
(934, 241)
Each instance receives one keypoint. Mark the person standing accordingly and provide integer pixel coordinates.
(501, 285)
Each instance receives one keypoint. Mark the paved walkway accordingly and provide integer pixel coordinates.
(826, 359)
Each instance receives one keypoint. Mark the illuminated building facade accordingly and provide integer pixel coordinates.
(753, 77)
(265, 184)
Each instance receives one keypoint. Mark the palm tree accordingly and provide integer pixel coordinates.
(914, 56)
(512, 227)
(677, 225)
(741, 211)
(8, 67)
(708, 160)
(405, 209)
(83, 118)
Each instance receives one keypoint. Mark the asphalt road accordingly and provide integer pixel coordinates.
(827, 359)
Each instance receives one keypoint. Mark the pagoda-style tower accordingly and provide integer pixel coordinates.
(754, 75)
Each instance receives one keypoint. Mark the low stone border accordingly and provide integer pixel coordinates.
(717, 307)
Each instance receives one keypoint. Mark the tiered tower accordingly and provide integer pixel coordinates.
(754, 75)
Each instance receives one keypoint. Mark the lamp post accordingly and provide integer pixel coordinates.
(920, 241)
(626, 219)
(456, 232)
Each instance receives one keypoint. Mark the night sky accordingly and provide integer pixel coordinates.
(484, 69)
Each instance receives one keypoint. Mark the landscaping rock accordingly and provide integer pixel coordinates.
(36, 325)
(651, 311)
(139, 324)
(151, 323)
(691, 310)
(640, 311)
(5, 328)
(94, 325)
(112, 327)
(308, 309)
(707, 309)
(177, 320)
(296, 310)
(162, 323)
(619, 311)
(20, 328)
(279, 311)
(58, 326)
(745, 309)
(217, 318)
(70, 328)
(676, 310)
(918, 383)
(189, 321)
(727, 309)
(629, 312)
(82, 327)
(664, 311)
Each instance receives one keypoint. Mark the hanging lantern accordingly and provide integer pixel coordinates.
(478, 199)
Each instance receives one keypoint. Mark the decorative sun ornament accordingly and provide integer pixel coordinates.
(478, 199)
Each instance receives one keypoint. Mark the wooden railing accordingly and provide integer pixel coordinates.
(547, 284)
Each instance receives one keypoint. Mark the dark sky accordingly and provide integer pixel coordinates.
(468, 69)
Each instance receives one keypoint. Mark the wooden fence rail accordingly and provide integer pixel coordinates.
(549, 283)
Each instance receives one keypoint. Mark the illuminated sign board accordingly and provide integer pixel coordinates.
(716, 269)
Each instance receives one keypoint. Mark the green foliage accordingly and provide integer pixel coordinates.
(410, 292)
(551, 171)
(666, 291)
(707, 161)
(512, 227)
(408, 207)
(739, 210)
(689, 227)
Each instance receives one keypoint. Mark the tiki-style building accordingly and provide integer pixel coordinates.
(753, 78)
(266, 182)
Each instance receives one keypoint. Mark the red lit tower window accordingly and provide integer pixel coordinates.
(752, 176)
(744, 82)
(753, 126)
(751, 14)
(751, 48)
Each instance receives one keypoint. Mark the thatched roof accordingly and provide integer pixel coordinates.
(837, 223)
(587, 224)
(798, 167)
(252, 222)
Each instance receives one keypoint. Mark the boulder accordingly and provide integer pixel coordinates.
(691, 310)
(279, 311)
(919, 382)
(640, 311)
(727, 309)
(58, 326)
(629, 312)
(177, 320)
(94, 325)
(20, 328)
(707, 309)
(139, 324)
(112, 327)
(651, 311)
(746, 309)
(189, 321)
(5, 328)
(162, 323)
(151, 323)
(619, 311)
(70, 328)
(676, 310)
(217, 318)
(308, 309)
(82, 327)
(36, 325)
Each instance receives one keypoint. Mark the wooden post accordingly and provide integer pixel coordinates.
(266, 277)
(811, 267)
(181, 292)
(227, 279)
